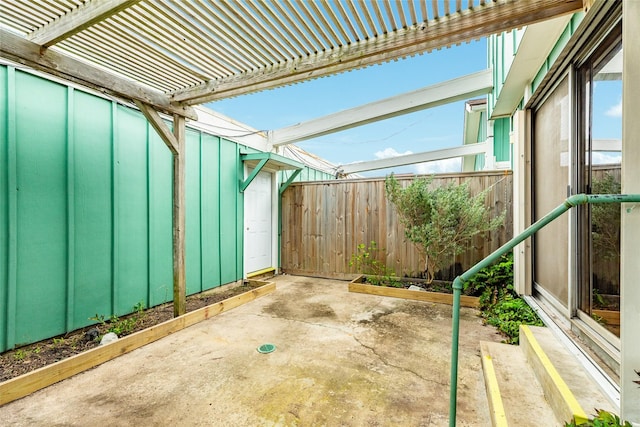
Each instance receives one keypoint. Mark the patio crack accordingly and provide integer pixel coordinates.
(322, 325)
(401, 368)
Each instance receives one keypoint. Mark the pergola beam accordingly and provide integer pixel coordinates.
(160, 126)
(17, 49)
(411, 159)
(79, 19)
(490, 18)
(442, 93)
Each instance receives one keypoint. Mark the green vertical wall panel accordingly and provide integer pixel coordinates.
(192, 219)
(92, 208)
(228, 216)
(501, 145)
(4, 205)
(41, 207)
(86, 209)
(131, 167)
(210, 211)
(160, 221)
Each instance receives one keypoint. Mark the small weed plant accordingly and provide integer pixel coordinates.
(500, 305)
(602, 419)
(366, 261)
(120, 326)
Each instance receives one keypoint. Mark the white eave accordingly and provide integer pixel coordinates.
(534, 48)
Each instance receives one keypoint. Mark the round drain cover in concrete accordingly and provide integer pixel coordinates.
(266, 348)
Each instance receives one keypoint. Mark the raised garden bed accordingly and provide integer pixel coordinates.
(359, 285)
(30, 382)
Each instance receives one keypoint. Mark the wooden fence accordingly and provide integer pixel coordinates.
(324, 222)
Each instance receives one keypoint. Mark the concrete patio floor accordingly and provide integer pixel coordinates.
(342, 359)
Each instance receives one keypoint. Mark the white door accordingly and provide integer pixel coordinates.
(257, 223)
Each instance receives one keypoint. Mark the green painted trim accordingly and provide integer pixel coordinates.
(201, 213)
(219, 170)
(240, 219)
(283, 162)
(288, 182)
(150, 221)
(115, 206)
(12, 196)
(71, 237)
(244, 184)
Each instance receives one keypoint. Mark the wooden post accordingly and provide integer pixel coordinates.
(179, 275)
(176, 143)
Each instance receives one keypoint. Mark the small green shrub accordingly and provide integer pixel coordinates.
(442, 221)
(366, 262)
(602, 419)
(496, 277)
(499, 303)
(508, 313)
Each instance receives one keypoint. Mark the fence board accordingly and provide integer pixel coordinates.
(324, 222)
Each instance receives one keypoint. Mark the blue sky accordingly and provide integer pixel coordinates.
(427, 130)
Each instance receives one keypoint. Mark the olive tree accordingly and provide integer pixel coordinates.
(441, 221)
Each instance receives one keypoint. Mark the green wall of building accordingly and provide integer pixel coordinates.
(85, 210)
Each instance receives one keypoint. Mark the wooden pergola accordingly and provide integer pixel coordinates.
(169, 55)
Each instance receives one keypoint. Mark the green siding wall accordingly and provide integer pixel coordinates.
(85, 210)
(557, 49)
(307, 174)
(4, 207)
(501, 145)
(41, 229)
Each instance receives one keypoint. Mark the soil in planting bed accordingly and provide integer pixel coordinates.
(441, 286)
(28, 358)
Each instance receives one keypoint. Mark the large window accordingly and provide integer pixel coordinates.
(599, 89)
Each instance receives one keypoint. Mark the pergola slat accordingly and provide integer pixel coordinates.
(358, 18)
(379, 17)
(309, 46)
(77, 20)
(214, 49)
(445, 31)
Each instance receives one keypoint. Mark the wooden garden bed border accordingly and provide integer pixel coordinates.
(356, 285)
(25, 384)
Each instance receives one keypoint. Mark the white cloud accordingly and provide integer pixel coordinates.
(615, 111)
(604, 158)
(440, 166)
(390, 152)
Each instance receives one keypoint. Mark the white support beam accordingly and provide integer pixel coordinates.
(25, 52)
(481, 21)
(606, 145)
(411, 159)
(457, 89)
(77, 20)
